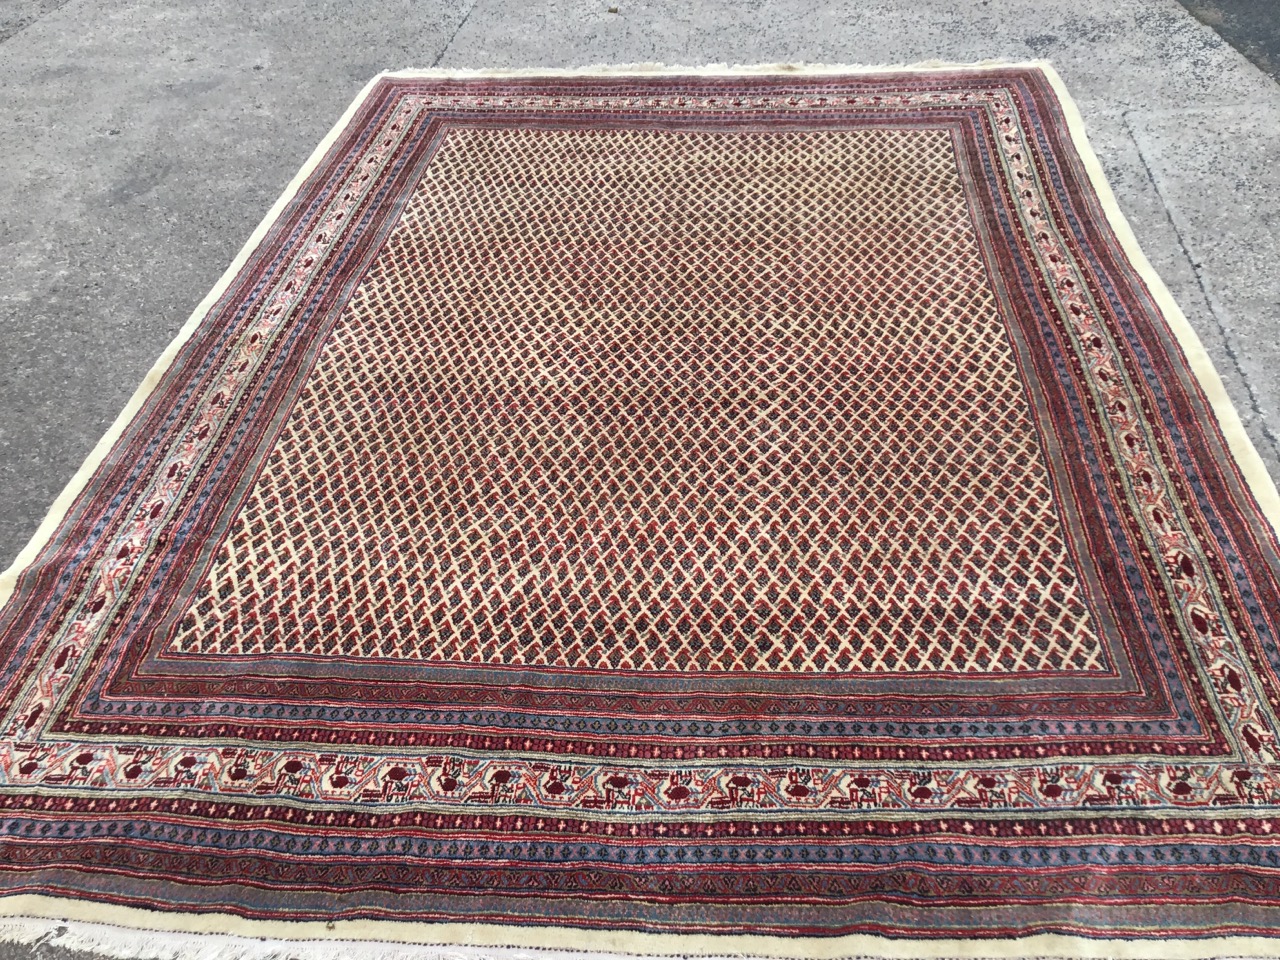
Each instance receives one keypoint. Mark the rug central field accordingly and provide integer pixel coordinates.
(746, 505)
(560, 424)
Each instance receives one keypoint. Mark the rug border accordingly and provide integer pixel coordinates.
(1257, 478)
(39, 909)
(44, 533)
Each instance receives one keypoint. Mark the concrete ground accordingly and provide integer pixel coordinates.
(1251, 26)
(144, 139)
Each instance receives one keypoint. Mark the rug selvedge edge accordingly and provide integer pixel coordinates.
(1258, 479)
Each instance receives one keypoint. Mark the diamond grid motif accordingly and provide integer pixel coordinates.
(655, 400)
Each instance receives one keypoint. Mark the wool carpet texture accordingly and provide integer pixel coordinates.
(702, 512)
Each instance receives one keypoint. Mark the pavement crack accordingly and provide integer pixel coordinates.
(12, 28)
(456, 30)
(1224, 334)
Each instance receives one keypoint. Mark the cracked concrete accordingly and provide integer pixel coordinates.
(17, 14)
(1237, 228)
(144, 140)
(1251, 26)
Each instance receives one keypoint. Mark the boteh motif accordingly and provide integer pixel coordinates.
(680, 504)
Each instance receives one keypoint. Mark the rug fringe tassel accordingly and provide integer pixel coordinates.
(651, 68)
(118, 943)
(121, 943)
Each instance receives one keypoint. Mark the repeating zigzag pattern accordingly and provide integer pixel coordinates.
(672, 401)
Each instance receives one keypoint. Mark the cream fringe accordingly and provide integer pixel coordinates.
(707, 70)
(118, 943)
(123, 932)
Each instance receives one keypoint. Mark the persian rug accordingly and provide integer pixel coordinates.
(766, 511)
